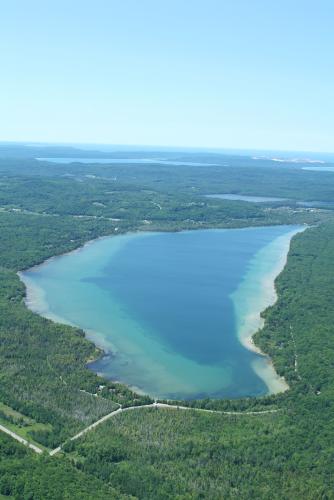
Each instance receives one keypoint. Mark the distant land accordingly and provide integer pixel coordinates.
(115, 380)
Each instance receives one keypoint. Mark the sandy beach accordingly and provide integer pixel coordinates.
(249, 306)
(132, 347)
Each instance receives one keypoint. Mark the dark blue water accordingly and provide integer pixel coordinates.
(179, 285)
(162, 306)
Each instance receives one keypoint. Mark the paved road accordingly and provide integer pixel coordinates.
(20, 439)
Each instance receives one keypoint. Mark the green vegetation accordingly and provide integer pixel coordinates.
(134, 207)
(23, 426)
(286, 454)
(42, 364)
(47, 394)
(161, 454)
(219, 173)
(299, 329)
(23, 475)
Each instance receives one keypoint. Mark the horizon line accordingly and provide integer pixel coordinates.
(162, 146)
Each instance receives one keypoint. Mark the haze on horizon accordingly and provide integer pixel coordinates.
(213, 74)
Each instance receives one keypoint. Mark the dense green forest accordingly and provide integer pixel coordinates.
(202, 173)
(43, 372)
(283, 454)
(47, 394)
(131, 207)
(26, 476)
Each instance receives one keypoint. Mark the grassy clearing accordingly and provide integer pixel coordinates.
(21, 424)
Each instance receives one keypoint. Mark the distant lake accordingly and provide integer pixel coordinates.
(241, 197)
(263, 199)
(174, 312)
(125, 160)
(319, 169)
(316, 204)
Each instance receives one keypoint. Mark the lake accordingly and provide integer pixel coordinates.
(241, 197)
(174, 312)
(319, 169)
(139, 161)
(269, 199)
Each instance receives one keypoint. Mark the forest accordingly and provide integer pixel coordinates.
(284, 454)
(47, 394)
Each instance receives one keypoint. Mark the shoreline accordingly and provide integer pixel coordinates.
(140, 231)
(253, 321)
(264, 368)
(75, 250)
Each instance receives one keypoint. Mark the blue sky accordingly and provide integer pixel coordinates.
(211, 73)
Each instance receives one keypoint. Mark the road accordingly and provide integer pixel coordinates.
(156, 405)
(20, 439)
(36, 449)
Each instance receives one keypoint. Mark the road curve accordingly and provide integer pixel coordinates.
(155, 405)
(36, 449)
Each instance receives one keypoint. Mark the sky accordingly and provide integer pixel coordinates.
(199, 73)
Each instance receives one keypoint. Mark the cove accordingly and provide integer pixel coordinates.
(173, 312)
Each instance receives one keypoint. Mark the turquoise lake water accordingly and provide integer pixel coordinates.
(172, 311)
